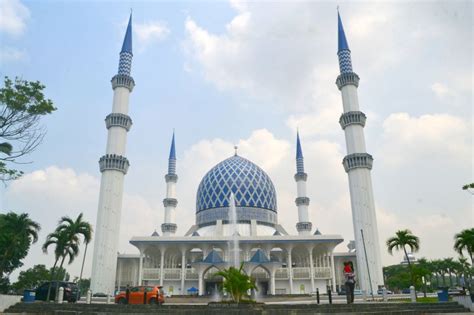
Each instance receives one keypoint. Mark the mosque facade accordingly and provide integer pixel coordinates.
(280, 263)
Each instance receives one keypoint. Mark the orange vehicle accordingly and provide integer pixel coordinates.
(136, 295)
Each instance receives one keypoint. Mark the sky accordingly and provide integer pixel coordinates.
(249, 74)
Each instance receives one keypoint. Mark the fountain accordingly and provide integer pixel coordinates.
(234, 243)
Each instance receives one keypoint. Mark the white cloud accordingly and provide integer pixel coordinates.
(13, 17)
(149, 32)
(431, 136)
(11, 54)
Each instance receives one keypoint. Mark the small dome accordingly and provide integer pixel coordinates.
(253, 190)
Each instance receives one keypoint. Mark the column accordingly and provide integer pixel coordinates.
(333, 272)
(183, 271)
(201, 283)
(290, 270)
(272, 281)
(140, 268)
(311, 268)
(162, 263)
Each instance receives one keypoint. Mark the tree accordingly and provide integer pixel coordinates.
(77, 227)
(469, 188)
(18, 232)
(401, 240)
(236, 282)
(464, 241)
(31, 278)
(63, 247)
(22, 103)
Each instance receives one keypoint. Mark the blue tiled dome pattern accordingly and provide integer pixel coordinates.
(250, 184)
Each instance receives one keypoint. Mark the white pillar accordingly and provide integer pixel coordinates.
(290, 270)
(333, 273)
(162, 263)
(183, 271)
(201, 283)
(272, 281)
(311, 273)
(140, 269)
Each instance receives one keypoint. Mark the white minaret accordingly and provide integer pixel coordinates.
(358, 164)
(170, 202)
(113, 166)
(303, 226)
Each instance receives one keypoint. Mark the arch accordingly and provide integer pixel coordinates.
(207, 273)
(260, 266)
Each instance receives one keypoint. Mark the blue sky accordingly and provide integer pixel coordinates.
(225, 73)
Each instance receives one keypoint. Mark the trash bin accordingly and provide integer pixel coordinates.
(443, 295)
(29, 296)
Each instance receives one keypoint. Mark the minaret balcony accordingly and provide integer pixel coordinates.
(118, 120)
(352, 118)
(114, 162)
(302, 201)
(170, 202)
(123, 80)
(347, 78)
(304, 226)
(357, 160)
(171, 178)
(301, 176)
(169, 227)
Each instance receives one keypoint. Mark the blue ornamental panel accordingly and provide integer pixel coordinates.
(250, 184)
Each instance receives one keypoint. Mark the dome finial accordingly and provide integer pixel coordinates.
(235, 148)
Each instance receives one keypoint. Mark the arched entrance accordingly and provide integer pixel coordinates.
(212, 282)
(262, 280)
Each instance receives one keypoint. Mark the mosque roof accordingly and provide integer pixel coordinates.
(213, 258)
(251, 186)
(259, 257)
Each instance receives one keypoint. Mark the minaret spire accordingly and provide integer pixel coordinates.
(169, 226)
(113, 166)
(303, 226)
(358, 164)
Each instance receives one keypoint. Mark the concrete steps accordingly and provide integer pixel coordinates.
(259, 309)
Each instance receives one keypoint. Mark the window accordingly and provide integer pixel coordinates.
(135, 289)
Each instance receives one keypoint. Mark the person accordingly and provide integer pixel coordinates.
(350, 282)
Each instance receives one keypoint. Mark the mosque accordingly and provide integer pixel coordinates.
(280, 263)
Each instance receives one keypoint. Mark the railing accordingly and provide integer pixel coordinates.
(281, 273)
(172, 273)
(191, 274)
(151, 273)
(301, 273)
(322, 272)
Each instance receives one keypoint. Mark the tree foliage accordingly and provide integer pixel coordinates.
(18, 232)
(236, 282)
(464, 241)
(22, 104)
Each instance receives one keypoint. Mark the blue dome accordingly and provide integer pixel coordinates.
(253, 190)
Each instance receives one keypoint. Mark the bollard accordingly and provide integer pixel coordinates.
(88, 296)
(60, 295)
(144, 296)
(317, 295)
(330, 295)
(384, 294)
(108, 298)
(412, 294)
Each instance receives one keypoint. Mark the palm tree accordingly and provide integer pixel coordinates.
(450, 266)
(63, 248)
(464, 267)
(18, 233)
(236, 283)
(402, 239)
(80, 227)
(72, 230)
(464, 241)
